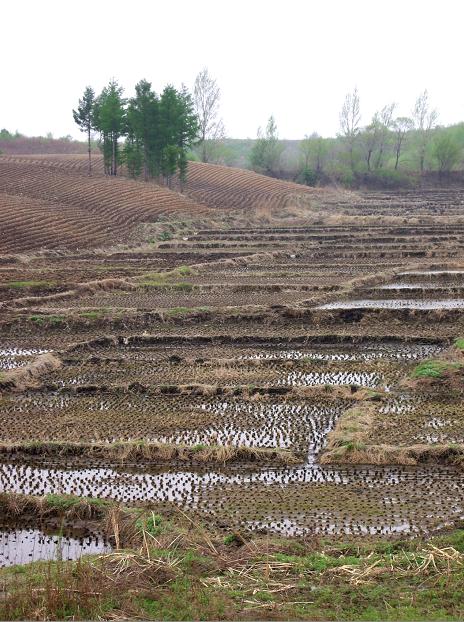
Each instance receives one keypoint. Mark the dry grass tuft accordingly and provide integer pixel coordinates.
(134, 452)
(28, 376)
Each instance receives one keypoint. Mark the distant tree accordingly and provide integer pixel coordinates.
(110, 121)
(385, 121)
(424, 121)
(401, 126)
(306, 150)
(5, 134)
(266, 151)
(313, 152)
(206, 98)
(370, 138)
(350, 117)
(446, 151)
(83, 116)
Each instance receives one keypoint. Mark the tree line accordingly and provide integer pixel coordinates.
(387, 147)
(151, 134)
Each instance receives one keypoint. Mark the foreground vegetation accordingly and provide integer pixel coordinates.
(167, 565)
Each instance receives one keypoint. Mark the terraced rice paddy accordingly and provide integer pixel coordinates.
(226, 334)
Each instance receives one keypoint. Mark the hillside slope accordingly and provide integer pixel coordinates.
(54, 206)
(48, 201)
(214, 185)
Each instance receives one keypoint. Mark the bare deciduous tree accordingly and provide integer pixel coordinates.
(206, 98)
(424, 122)
(350, 117)
(401, 126)
(370, 139)
(385, 120)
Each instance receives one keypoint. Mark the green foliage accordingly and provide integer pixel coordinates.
(266, 152)
(109, 118)
(84, 115)
(308, 177)
(5, 134)
(446, 151)
(164, 236)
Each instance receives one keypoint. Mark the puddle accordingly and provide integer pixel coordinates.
(22, 546)
(369, 380)
(12, 358)
(408, 286)
(430, 272)
(395, 304)
(357, 352)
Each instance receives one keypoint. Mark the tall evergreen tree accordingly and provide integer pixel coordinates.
(178, 131)
(188, 128)
(110, 121)
(143, 125)
(83, 116)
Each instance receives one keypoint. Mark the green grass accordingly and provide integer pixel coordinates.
(184, 310)
(153, 524)
(459, 343)
(95, 314)
(28, 284)
(184, 270)
(433, 369)
(47, 320)
(67, 502)
(274, 578)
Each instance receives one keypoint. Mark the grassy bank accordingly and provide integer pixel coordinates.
(172, 567)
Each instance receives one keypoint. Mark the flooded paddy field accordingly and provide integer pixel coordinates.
(250, 337)
(309, 500)
(391, 303)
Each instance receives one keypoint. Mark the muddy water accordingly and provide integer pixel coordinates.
(25, 545)
(430, 272)
(429, 286)
(356, 352)
(302, 427)
(363, 379)
(395, 304)
(11, 358)
(306, 500)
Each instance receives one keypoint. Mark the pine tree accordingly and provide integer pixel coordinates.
(110, 121)
(143, 124)
(178, 131)
(83, 116)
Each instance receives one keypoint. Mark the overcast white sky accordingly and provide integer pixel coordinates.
(295, 59)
